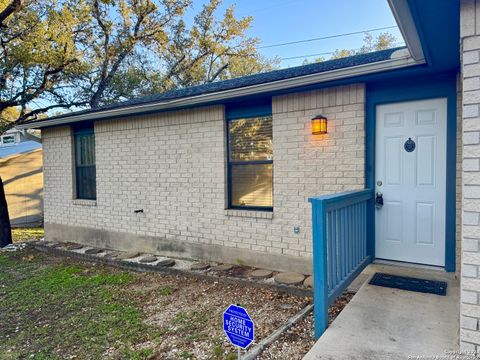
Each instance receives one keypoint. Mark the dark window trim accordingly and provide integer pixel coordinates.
(83, 128)
(256, 162)
(79, 130)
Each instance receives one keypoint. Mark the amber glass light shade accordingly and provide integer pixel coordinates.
(319, 125)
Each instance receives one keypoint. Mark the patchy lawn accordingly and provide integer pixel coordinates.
(26, 234)
(57, 308)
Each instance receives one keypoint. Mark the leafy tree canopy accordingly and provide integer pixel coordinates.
(60, 54)
(382, 41)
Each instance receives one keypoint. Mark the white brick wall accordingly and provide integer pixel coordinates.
(470, 257)
(458, 183)
(308, 165)
(172, 165)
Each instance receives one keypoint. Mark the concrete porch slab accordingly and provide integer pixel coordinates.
(385, 323)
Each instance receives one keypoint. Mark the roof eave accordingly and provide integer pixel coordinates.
(406, 23)
(395, 62)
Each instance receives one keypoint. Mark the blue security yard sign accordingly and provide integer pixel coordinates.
(238, 326)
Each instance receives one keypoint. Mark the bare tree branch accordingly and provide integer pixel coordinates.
(217, 74)
(14, 6)
(42, 110)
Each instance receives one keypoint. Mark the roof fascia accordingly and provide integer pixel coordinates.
(408, 27)
(396, 61)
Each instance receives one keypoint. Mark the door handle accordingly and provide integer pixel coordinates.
(378, 200)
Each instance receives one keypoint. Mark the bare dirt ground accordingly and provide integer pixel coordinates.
(298, 340)
(60, 308)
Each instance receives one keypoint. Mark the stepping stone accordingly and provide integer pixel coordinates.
(111, 255)
(289, 278)
(166, 263)
(128, 255)
(65, 244)
(74, 246)
(199, 266)
(308, 282)
(93, 251)
(261, 274)
(223, 267)
(148, 259)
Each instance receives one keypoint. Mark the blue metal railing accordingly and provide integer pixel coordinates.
(341, 246)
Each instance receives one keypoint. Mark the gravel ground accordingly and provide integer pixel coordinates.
(201, 305)
(298, 340)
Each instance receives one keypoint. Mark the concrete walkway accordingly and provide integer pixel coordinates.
(385, 323)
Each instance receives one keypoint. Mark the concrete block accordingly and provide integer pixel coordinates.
(470, 245)
(470, 218)
(471, 57)
(471, 43)
(469, 270)
(467, 347)
(469, 323)
(467, 18)
(471, 138)
(471, 164)
(469, 297)
(470, 111)
(471, 84)
(471, 191)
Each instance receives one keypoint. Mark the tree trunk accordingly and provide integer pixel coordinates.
(5, 229)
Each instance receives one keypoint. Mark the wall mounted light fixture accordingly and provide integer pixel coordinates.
(319, 125)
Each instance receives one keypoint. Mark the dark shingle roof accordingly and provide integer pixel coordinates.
(261, 78)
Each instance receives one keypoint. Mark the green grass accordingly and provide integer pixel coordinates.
(64, 310)
(191, 324)
(25, 234)
(138, 354)
(5, 261)
(166, 290)
(58, 308)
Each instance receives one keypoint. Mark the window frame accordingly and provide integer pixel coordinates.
(8, 136)
(79, 131)
(230, 163)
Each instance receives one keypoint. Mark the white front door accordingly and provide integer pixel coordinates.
(410, 173)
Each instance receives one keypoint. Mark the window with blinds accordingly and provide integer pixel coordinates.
(85, 169)
(250, 163)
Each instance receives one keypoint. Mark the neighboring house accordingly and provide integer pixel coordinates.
(224, 171)
(22, 175)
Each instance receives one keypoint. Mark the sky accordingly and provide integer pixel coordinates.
(280, 21)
